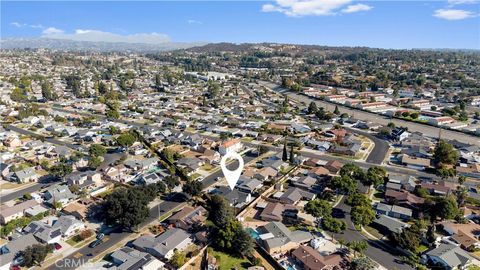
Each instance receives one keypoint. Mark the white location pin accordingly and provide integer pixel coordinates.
(232, 176)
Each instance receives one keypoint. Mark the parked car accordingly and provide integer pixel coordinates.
(95, 243)
(100, 236)
(57, 246)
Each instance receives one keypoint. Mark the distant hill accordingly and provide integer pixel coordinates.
(64, 44)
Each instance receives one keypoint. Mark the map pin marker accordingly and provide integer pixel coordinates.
(232, 176)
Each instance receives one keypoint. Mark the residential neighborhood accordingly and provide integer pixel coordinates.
(353, 158)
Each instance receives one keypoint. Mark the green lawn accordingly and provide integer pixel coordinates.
(421, 249)
(228, 262)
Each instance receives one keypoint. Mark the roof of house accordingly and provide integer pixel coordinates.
(282, 235)
(312, 259)
(10, 249)
(164, 243)
(392, 224)
(65, 222)
(7, 211)
(452, 255)
(131, 259)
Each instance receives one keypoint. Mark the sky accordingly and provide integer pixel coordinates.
(380, 24)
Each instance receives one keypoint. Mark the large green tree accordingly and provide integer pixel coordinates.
(362, 215)
(220, 210)
(445, 153)
(235, 239)
(318, 208)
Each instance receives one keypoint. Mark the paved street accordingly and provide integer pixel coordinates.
(426, 130)
(377, 250)
(112, 239)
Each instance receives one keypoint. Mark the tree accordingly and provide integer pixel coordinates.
(284, 153)
(292, 155)
(318, 208)
(363, 263)
(128, 207)
(47, 91)
(171, 182)
(375, 176)
(312, 108)
(60, 170)
(446, 173)
(178, 259)
(343, 184)
(409, 238)
(220, 210)
(126, 139)
(193, 188)
(358, 246)
(362, 215)
(97, 150)
(94, 162)
(234, 238)
(333, 225)
(336, 110)
(462, 179)
(353, 171)
(19, 95)
(446, 208)
(35, 254)
(112, 113)
(445, 154)
(358, 199)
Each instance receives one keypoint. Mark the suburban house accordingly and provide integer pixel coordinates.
(59, 193)
(277, 211)
(277, 238)
(44, 232)
(415, 163)
(69, 225)
(127, 258)
(164, 245)
(450, 257)
(8, 213)
(9, 251)
(187, 217)
(25, 175)
(394, 211)
(311, 259)
(293, 195)
(233, 145)
(466, 235)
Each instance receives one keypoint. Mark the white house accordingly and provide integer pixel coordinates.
(234, 145)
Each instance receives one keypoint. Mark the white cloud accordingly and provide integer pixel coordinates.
(52, 31)
(36, 26)
(461, 2)
(17, 24)
(298, 8)
(194, 22)
(453, 14)
(356, 8)
(101, 36)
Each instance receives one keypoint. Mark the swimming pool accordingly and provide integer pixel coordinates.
(255, 235)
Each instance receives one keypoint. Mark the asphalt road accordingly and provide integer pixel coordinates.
(384, 254)
(429, 131)
(110, 240)
(19, 193)
(50, 140)
(379, 151)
